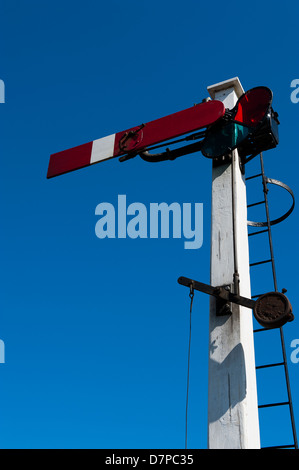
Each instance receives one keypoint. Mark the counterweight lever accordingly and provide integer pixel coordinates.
(271, 310)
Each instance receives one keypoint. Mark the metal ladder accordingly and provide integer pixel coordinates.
(271, 260)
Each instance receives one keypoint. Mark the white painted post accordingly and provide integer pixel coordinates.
(232, 407)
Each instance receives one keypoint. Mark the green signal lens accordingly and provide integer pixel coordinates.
(223, 140)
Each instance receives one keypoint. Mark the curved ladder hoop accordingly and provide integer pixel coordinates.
(283, 217)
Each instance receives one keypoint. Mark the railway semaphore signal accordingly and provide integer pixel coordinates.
(231, 129)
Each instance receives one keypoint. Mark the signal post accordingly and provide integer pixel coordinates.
(232, 398)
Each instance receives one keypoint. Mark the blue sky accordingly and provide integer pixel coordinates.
(96, 331)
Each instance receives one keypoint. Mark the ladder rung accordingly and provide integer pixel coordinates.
(257, 232)
(261, 262)
(254, 176)
(256, 203)
(274, 404)
(270, 365)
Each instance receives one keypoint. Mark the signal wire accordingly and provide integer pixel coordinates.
(191, 295)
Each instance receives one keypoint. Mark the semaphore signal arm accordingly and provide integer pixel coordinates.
(251, 126)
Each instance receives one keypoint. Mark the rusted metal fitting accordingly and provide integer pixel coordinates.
(273, 310)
